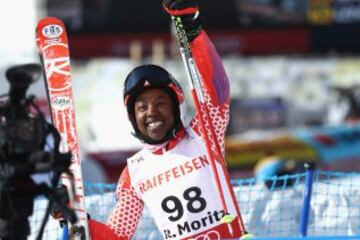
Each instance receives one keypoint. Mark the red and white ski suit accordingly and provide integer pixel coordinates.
(175, 181)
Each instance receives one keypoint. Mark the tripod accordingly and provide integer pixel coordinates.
(16, 205)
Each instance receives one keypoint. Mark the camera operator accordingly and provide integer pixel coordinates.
(23, 134)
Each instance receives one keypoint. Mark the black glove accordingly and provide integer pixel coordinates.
(180, 7)
(61, 194)
(77, 233)
(189, 12)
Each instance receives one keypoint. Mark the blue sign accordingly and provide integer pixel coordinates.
(333, 143)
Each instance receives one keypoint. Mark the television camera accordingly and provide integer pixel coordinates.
(24, 152)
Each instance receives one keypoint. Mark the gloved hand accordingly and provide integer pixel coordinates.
(189, 12)
(61, 194)
(180, 7)
(77, 233)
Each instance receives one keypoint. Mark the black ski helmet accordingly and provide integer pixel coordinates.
(152, 76)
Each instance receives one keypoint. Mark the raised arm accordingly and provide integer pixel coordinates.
(215, 83)
(214, 78)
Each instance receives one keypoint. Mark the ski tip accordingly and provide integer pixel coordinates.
(50, 27)
(50, 20)
(50, 30)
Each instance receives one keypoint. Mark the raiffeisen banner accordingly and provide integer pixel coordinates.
(333, 12)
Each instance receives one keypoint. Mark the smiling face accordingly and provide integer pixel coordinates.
(154, 113)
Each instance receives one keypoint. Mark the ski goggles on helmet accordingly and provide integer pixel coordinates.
(148, 76)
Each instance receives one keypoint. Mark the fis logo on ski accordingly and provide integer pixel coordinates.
(52, 31)
(61, 103)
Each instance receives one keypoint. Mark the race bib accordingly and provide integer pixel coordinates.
(178, 188)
